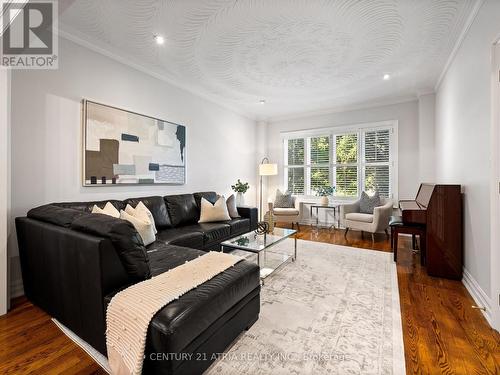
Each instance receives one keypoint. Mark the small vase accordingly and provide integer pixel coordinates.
(324, 201)
(330, 200)
(240, 200)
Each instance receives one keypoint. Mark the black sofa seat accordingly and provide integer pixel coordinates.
(180, 236)
(206, 236)
(238, 226)
(213, 233)
(183, 324)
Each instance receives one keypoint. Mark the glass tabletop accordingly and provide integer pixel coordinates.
(258, 242)
(333, 205)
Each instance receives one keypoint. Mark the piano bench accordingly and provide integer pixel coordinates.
(399, 227)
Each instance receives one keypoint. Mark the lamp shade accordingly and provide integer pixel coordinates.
(268, 169)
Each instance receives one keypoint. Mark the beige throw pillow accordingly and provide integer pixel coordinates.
(141, 212)
(231, 207)
(144, 228)
(214, 212)
(108, 209)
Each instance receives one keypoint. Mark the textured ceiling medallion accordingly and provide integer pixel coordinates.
(301, 55)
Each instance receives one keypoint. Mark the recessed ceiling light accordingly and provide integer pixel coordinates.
(262, 101)
(159, 39)
(387, 77)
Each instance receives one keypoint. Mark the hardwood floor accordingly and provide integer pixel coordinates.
(442, 333)
(31, 344)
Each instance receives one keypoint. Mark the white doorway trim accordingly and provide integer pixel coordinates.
(4, 185)
(495, 188)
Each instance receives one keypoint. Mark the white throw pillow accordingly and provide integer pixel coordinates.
(141, 212)
(231, 207)
(108, 209)
(144, 228)
(214, 212)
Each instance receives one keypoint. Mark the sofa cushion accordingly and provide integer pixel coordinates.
(365, 218)
(285, 211)
(212, 232)
(238, 226)
(146, 229)
(367, 203)
(157, 207)
(181, 236)
(181, 321)
(124, 237)
(164, 257)
(284, 200)
(182, 209)
(231, 207)
(88, 206)
(108, 209)
(56, 215)
(210, 196)
(213, 212)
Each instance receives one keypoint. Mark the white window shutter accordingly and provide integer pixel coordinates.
(295, 169)
(377, 169)
(346, 168)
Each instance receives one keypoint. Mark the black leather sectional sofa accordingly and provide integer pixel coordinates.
(73, 262)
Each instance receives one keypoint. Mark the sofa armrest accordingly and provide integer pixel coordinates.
(251, 213)
(381, 215)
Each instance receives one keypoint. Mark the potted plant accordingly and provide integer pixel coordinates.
(240, 188)
(325, 192)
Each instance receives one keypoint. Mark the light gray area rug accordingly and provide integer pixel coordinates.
(334, 311)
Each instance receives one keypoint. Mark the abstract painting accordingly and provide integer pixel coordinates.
(123, 147)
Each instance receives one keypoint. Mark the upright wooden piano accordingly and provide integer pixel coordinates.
(439, 209)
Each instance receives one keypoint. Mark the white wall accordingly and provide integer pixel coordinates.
(407, 115)
(463, 120)
(4, 185)
(46, 131)
(426, 137)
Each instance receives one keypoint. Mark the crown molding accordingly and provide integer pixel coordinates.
(421, 93)
(460, 40)
(126, 61)
(346, 108)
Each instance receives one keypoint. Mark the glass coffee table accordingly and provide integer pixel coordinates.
(260, 244)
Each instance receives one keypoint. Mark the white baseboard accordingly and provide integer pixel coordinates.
(478, 295)
(16, 288)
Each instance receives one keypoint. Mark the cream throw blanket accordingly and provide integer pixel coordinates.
(130, 311)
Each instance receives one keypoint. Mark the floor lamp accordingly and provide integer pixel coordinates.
(265, 169)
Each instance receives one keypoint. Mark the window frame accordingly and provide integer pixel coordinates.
(361, 164)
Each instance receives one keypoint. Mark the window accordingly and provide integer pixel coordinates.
(352, 160)
(320, 162)
(346, 165)
(295, 170)
(377, 162)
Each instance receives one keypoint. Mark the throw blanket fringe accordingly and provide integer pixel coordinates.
(131, 310)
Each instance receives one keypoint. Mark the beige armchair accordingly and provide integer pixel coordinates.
(371, 223)
(285, 215)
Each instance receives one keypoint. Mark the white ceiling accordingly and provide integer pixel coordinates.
(298, 55)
